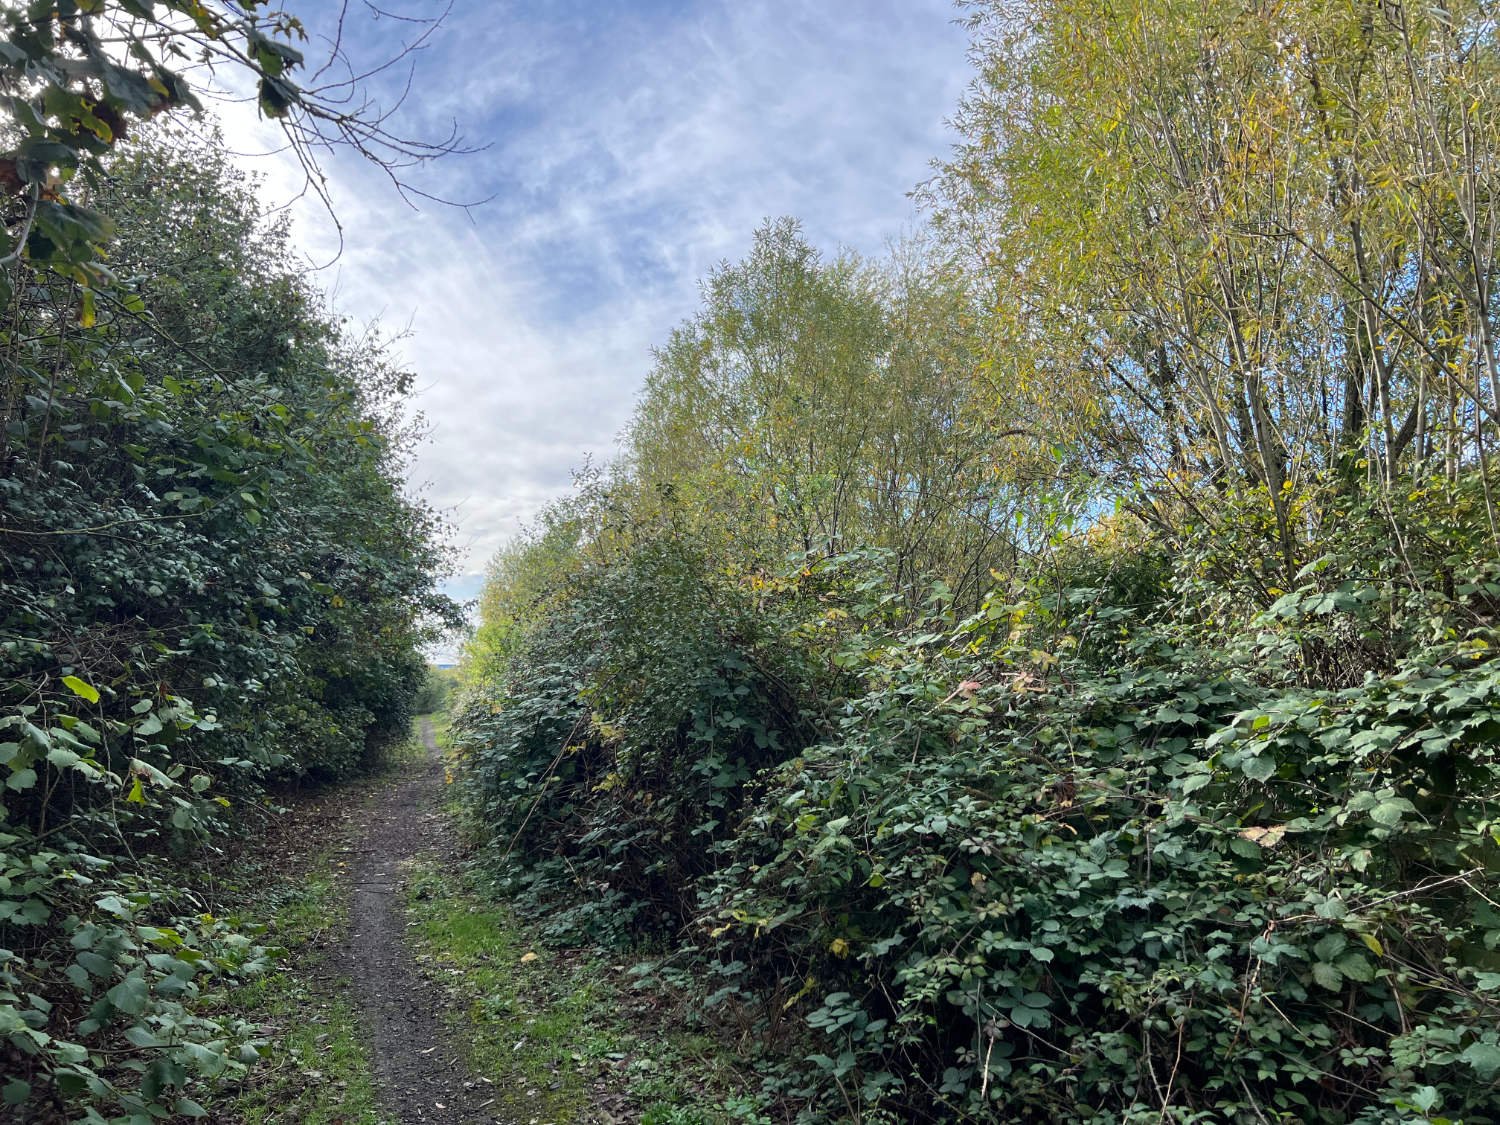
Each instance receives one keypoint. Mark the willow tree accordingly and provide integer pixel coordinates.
(1242, 245)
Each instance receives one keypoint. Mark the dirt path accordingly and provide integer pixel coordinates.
(421, 1076)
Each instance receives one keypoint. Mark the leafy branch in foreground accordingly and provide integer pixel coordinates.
(78, 76)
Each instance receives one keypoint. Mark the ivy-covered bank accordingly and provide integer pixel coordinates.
(210, 578)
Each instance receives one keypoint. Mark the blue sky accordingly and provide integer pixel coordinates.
(630, 148)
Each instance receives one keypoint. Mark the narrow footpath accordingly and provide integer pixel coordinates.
(419, 1071)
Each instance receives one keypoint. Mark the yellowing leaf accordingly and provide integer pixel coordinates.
(1265, 837)
(82, 688)
(807, 986)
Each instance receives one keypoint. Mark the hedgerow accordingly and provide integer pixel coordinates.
(1097, 852)
(209, 578)
(616, 753)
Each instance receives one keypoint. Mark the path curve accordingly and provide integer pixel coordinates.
(421, 1077)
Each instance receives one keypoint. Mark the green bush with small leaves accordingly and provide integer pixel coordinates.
(209, 578)
(615, 754)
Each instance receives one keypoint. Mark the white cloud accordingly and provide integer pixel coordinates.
(631, 149)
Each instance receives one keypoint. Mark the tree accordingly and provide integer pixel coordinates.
(1239, 246)
(78, 76)
(816, 406)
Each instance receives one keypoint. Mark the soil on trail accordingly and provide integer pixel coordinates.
(420, 1074)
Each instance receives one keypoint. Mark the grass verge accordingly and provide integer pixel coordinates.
(566, 1035)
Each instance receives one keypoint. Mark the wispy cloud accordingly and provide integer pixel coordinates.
(632, 146)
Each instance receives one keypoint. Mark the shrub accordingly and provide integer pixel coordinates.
(1177, 885)
(616, 755)
(1099, 852)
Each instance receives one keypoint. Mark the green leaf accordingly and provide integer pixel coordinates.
(114, 904)
(1244, 848)
(1355, 967)
(82, 688)
(1424, 1098)
(131, 90)
(15, 1092)
(1327, 975)
(1333, 909)
(143, 1037)
(96, 964)
(1194, 782)
(63, 759)
(1390, 811)
(1260, 768)
(277, 96)
(1330, 945)
(1484, 1058)
(130, 995)
(1226, 734)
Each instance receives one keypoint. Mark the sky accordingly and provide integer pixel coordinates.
(628, 147)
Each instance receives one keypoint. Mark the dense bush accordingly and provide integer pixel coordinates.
(1098, 852)
(209, 575)
(1069, 891)
(615, 754)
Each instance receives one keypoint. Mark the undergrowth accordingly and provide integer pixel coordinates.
(563, 1028)
(560, 1034)
(1131, 842)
